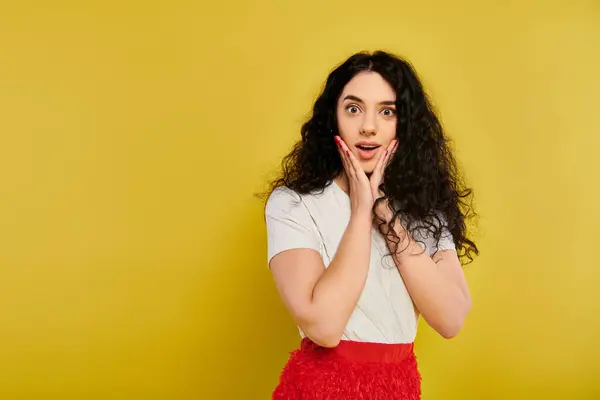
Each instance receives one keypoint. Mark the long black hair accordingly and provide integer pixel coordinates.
(422, 181)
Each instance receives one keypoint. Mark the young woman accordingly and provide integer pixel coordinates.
(366, 232)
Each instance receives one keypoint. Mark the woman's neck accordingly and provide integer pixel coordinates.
(342, 181)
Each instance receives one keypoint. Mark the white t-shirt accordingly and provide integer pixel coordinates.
(385, 312)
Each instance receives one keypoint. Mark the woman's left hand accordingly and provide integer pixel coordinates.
(377, 177)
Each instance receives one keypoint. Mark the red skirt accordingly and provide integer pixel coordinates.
(352, 370)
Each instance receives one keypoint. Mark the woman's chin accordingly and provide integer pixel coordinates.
(368, 167)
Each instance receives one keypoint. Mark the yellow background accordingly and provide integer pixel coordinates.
(134, 134)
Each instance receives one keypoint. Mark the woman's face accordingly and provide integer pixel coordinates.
(366, 115)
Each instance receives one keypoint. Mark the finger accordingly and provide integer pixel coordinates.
(395, 148)
(356, 168)
(376, 176)
(390, 154)
(381, 165)
(343, 155)
(383, 160)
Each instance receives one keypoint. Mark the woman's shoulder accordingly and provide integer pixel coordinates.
(284, 197)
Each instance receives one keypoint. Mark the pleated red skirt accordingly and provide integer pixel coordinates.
(352, 370)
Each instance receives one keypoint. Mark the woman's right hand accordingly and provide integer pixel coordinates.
(361, 195)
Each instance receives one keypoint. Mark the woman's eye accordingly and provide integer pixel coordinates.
(388, 112)
(352, 109)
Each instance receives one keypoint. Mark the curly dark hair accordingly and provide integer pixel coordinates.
(422, 181)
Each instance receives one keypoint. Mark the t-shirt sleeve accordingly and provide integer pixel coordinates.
(446, 241)
(289, 224)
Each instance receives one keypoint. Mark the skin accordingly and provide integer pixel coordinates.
(320, 299)
(366, 111)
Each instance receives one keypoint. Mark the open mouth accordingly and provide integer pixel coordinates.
(367, 147)
(367, 151)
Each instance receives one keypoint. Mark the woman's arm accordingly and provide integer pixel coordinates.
(321, 300)
(436, 284)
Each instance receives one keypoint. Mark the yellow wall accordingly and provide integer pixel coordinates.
(132, 137)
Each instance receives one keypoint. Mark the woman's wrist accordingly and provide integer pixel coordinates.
(383, 211)
(361, 216)
(406, 242)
